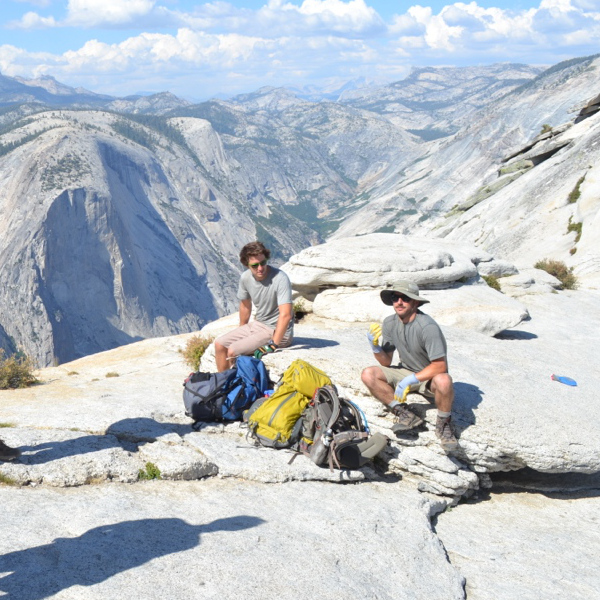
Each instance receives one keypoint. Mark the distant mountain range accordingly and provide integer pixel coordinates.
(122, 218)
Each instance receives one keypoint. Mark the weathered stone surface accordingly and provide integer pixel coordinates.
(177, 461)
(380, 259)
(528, 220)
(183, 540)
(497, 268)
(526, 546)
(239, 457)
(504, 413)
(529, 281)
(503, 387)
(475, 307)
(345, 290)
(68, 458)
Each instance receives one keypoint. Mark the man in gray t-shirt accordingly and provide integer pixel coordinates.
(423, 366)
(270, 291)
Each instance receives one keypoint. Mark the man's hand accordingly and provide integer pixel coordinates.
(374, 336)
(269, 347)
(404, 386)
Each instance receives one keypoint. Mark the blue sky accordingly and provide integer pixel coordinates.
(199, 49)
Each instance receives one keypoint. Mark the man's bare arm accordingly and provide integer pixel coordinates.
(435, 367)
(245, 311)
(285, 316)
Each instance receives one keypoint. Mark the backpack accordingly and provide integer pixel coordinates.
(276, 421)
(224, 396)
(335, 431)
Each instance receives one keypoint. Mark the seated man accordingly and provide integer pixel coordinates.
(270, 290)
(423, 367)
(8, 453)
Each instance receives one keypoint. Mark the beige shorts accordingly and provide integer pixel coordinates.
(246, 339)
(394, 375)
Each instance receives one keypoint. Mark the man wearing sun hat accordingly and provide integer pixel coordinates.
(423, 366)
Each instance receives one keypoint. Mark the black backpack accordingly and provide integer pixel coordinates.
(335, 432)
(224, 396)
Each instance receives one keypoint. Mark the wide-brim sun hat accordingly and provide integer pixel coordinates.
(408, 288)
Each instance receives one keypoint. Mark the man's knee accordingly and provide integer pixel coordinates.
(370, 375)
(442, 384)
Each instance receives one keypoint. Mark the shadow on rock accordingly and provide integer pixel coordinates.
(559, 486)
(509, 334)
(125, 434)
(102, 552)
(467, 398)
(49, 451)
(301, 343)
(146, 429)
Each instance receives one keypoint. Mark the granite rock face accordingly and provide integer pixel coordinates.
(87, 439)
(346, 289)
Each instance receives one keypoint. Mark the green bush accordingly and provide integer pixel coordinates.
(6, 480)
(151, 472)
(194, 350)
(576, 227)
(492, 281)
(558, 269)
(575, 192)
(16, 371)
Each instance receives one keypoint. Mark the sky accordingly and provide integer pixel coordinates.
(198, 50)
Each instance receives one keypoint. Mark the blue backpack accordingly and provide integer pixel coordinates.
(225, 396)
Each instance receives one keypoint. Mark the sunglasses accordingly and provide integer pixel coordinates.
(255, 265)
(396, 297)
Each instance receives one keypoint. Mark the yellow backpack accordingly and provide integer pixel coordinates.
(276, 421)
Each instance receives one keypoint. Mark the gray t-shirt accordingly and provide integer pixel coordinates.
(267, 295)
(418, 343)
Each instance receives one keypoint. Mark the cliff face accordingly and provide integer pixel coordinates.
(104, 241)
(118, 227)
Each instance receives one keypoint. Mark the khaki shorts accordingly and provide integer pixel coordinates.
(394, 375)
(246, 339)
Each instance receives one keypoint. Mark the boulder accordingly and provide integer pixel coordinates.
(496, 268)
(475, 307)
(384, 259)
(529, 281)
(343, 290)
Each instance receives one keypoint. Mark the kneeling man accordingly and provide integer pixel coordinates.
(270, 290)
(423, 366)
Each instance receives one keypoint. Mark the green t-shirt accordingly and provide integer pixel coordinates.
(418, 343)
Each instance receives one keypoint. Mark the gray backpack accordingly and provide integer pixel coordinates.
(335, 432)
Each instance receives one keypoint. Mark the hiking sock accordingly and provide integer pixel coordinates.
(443, 415)
(393, 405)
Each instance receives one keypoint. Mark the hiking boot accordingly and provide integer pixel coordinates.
(443, 430)
(404, 419)
(8, 453)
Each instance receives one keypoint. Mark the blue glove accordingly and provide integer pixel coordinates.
(374, 336)
(269, 347)
(404, 386)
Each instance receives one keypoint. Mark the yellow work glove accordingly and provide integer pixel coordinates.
(374, 336)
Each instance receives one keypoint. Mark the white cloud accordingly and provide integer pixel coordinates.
(40, 3)
(32, 20)
(297, 43)
(352, 18)
(462, 29)
(92, 13)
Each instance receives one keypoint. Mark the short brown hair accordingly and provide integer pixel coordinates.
(253, 249)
